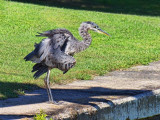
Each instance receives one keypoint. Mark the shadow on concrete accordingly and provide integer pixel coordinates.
(93, 94)
(138, 7)
(79, 96)
(14, 117)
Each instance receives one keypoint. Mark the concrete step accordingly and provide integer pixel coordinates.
(120, 95)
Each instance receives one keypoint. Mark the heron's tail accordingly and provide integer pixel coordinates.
(40, 69)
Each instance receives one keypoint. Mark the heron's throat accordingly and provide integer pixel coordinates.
(83, 31)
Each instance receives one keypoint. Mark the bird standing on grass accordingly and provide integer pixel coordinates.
(57, 50)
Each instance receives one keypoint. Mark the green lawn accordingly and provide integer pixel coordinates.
(135, 40)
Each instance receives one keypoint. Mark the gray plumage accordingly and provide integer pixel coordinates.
(57, 50)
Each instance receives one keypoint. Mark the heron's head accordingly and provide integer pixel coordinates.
(95, 27)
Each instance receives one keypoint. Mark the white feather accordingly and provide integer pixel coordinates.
(44, 49)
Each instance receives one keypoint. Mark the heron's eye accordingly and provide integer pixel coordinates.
(95, 26)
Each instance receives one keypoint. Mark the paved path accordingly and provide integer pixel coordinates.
(85, 95)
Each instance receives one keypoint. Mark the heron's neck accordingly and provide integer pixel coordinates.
(85, 43)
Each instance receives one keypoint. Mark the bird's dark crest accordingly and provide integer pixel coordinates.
(89, 22)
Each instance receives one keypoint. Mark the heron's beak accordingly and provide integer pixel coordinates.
(103, 32)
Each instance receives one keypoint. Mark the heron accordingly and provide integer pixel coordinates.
(57, 51)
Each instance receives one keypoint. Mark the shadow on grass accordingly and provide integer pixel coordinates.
(138, 7)
(10, 89)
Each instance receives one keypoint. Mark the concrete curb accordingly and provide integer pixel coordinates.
(120, 95)
(139, 106)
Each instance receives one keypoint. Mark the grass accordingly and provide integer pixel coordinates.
(139, 7)
(135, 40)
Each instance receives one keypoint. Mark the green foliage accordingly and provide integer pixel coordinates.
(40, 116)
(135, 40)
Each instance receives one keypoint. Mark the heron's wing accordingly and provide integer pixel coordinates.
(60, 60)
(51, 33)
(56, 38)
(59, 40)
(59, 37)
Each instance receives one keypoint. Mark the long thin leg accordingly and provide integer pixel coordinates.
(47, 83)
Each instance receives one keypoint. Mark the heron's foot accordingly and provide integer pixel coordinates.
(52, 102)
(55, 102)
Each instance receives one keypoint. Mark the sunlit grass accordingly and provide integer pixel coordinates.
(135, 40)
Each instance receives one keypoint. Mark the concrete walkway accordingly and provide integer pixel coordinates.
(120, 95)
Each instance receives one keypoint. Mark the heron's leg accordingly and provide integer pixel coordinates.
(47, 83)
